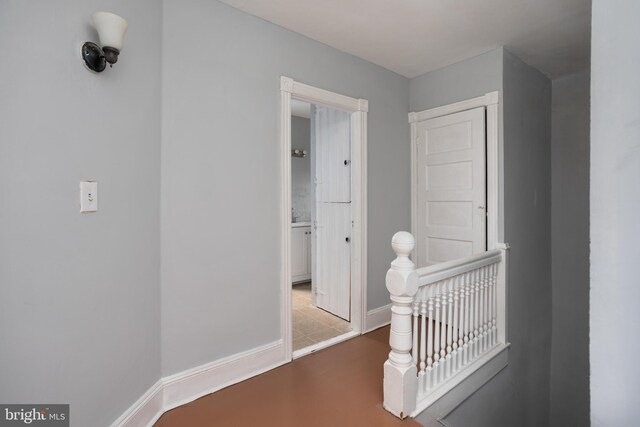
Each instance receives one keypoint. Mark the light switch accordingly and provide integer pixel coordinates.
(88, 196)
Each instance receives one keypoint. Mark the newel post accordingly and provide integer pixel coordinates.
(400, 375)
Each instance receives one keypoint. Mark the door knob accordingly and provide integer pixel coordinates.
(347, 239)
(346, 162)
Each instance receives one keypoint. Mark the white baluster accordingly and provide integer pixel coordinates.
(461, 325)
(472, 314)
(467, 316)
(450, 327)
(414, 346)
(476, 312)
(400, 373)
(443, 331)
(423, 352)
(487, 319)
(494, 303)
(472, 290)
(456, 313)
(429, 381)
(483, 278)
(436, 340)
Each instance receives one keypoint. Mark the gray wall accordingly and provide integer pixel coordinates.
(527, 210)
(457, 82)
(301, 196)
(463, 80)
(615, 203)
(221, 173)
(570, 251)
(518, 395)
(79, 293)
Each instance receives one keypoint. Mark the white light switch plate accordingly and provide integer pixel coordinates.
(88, 196)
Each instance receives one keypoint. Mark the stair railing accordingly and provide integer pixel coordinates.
(447, 320)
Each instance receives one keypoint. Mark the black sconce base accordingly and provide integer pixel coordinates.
(93, 57)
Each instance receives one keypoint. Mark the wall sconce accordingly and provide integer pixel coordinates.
(111, 30)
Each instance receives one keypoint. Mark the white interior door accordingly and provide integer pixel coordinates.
(332, 272)
(451, 187)
(331, 216)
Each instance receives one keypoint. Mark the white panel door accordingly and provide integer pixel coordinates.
(451, 187)
(332, 155)
(332, 258)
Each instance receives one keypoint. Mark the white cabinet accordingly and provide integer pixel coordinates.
(300, 253)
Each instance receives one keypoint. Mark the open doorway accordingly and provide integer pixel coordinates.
(323, 150)
(320, 224)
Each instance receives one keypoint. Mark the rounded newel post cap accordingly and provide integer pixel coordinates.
(402, 280)
(403, 243)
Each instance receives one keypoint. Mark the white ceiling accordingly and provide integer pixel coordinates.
(412, 37)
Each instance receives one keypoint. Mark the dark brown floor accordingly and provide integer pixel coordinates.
(338, 386)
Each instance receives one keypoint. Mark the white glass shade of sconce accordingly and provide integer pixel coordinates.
(111, 29)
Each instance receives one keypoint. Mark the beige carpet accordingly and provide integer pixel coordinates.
(310, 324)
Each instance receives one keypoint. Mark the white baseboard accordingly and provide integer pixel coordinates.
(378, 317)
(145, 411)
(191, 384)
(177, 389)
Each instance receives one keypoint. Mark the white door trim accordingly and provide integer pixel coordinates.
(290, 89)
(490, 101)
(491, 98)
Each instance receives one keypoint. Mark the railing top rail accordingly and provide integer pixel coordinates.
(435, 273)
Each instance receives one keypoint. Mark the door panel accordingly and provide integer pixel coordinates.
(332, 155)
(442, 250)
(331, 214)
(332, 269)
(451, 187)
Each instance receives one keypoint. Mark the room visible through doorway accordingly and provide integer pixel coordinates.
(324, 243)
(320, 224)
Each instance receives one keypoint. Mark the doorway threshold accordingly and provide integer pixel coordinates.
(324, 344)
